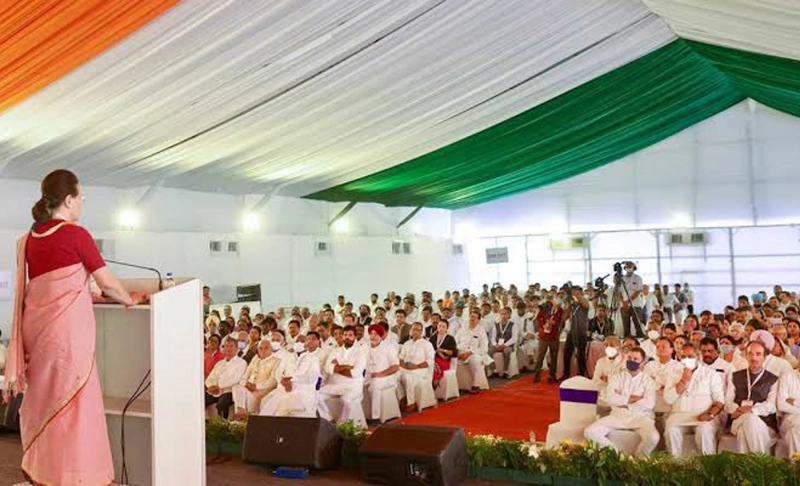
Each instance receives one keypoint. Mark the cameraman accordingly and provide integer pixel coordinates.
(578, 335)
(632, 300)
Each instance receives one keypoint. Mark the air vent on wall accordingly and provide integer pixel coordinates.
(688, 238)
(569, 242)
(458, 249)
(401, 247)
(233, 247)
(322, 248)
(215, 246)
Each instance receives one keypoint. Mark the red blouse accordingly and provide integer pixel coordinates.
(69, 245)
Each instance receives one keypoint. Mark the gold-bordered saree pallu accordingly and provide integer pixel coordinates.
(51, 360)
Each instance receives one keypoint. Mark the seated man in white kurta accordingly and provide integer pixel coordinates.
(696, 399)
(258, 381)
(789, 406)
(296, 395)
(225, 374)
(345, 383)
(663, 370)
(382, 367)
(751, 402)
(416, 363)
(632, 397)
(473, 344)
(613, 362)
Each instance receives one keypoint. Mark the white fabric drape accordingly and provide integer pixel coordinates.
(235, 96)
(764, 26)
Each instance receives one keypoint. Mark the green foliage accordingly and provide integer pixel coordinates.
(570, 460)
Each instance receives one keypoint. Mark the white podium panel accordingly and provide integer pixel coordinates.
(164, 428)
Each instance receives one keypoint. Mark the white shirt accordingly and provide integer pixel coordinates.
(227, 373)
(649, 348)
(306, 370)
(257, 367)
(352, 356)
(777, 365)
(416, 352)
(737, 363)
(664, 373)
(621, 386)
(381, 357)
(704, 388)
(789, 387)
(606, 367)
(3, 353)
(650, 302)
(633, 283)
(473, 340)
(722, 368)
(454, 324)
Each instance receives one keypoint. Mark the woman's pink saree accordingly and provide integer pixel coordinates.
(51, 359)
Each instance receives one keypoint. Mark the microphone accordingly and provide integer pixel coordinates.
(140, 267)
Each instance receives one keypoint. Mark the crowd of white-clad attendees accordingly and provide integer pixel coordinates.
(664, 372)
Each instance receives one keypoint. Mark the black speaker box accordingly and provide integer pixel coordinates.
(415, 455)
(287, 441)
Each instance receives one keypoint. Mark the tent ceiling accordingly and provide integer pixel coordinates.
(330, 98)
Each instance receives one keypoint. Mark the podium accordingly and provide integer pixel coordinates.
(165, 427)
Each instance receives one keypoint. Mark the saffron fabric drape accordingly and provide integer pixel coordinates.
(42, 40)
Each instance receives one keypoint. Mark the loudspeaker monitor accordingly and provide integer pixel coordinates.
(415, 455)
(288, 441)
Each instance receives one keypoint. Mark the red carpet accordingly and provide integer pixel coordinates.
(513, 411)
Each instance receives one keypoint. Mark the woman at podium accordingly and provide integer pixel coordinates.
(52, 351)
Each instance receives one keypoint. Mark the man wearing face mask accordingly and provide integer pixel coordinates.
(345, 384)
(296, 395)
(578, 336)
(613, 362)
(632, 300)
(529, 343)
(549, 321)
(663, 370)
(631, 396)
(258, 381)
(649, 345)
(728, 353)
(696, 399)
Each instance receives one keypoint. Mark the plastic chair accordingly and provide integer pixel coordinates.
(448, 386)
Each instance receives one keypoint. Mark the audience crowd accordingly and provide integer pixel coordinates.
(665, 372)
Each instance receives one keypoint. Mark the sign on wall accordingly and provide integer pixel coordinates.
(497, 255)
(6, 284)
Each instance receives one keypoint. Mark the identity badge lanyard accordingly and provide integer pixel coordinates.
(750, 386)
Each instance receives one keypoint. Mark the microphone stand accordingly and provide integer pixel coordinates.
(140, 267)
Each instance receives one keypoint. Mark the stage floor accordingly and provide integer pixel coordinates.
(231, 472)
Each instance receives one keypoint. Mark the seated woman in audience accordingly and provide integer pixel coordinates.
(213, 355)
(728, 352)
(679, 342)
(445, 347)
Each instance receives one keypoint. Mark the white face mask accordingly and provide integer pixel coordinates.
(653, 335)
(611, 352)
(299, 347)
(689, 363)
(276, 346)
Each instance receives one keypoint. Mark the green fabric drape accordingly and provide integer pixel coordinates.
(772, 81)
(596, 123)
(601, 121)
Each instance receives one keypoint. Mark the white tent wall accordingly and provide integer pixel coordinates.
(177, 226)
(738, 169)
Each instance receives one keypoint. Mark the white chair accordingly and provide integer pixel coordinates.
(448, 386)
(424, 395)
(512, 369)
(390, 408)
(578, 407)
(356, 413)
(464, 378)
(727, 443)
